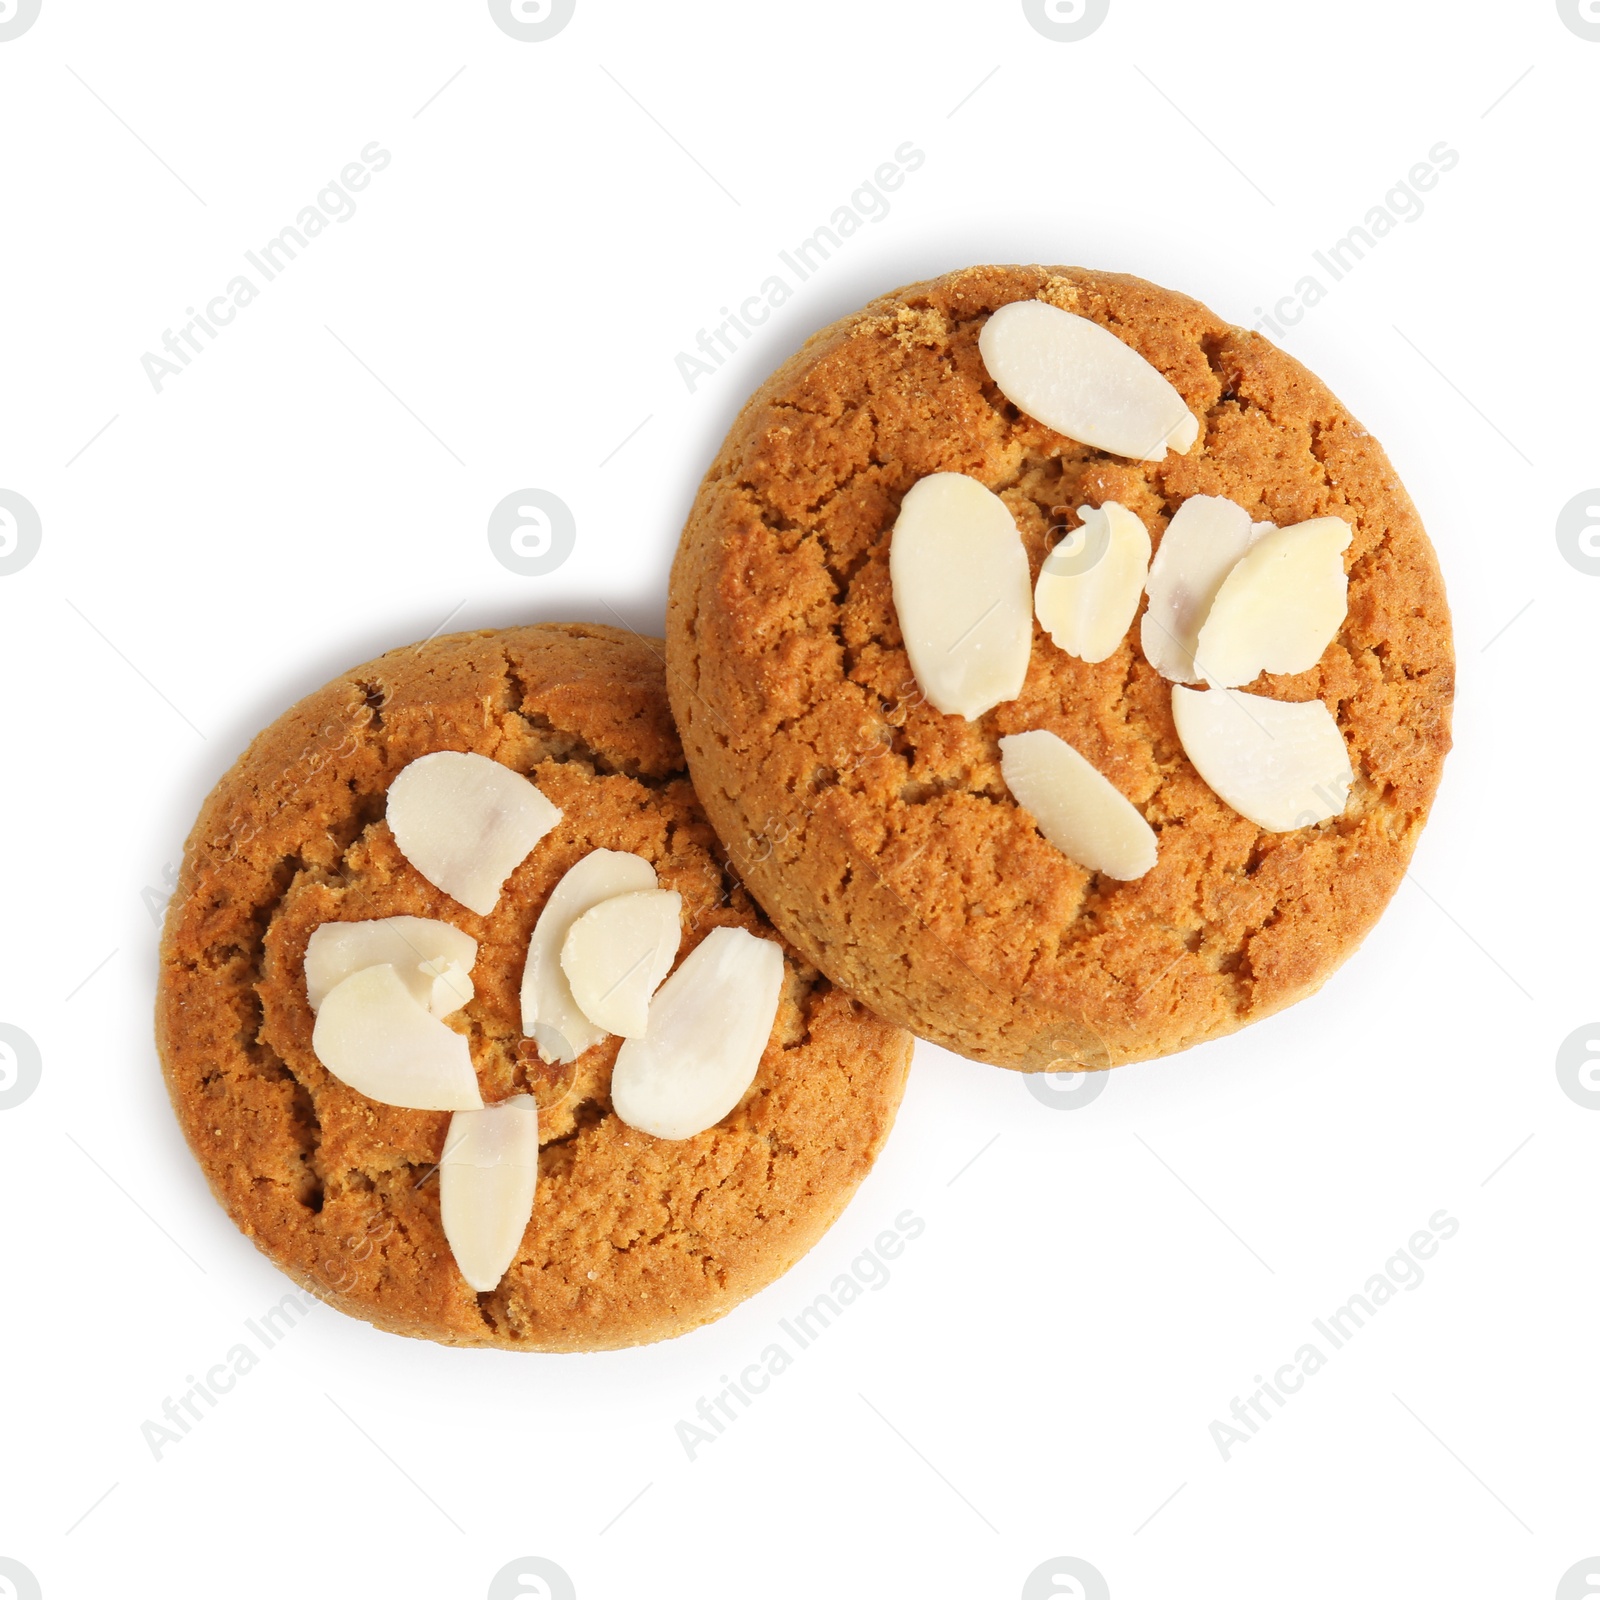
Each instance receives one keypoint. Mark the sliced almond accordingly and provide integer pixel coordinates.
(709, 1024)
(372, 1035)
(1203, 543)
(447, 986)
(487, 1177)
(617, 953)
(960, 579)
(432, 958)
(1280, 607)
(1080, 379)
(1281, 763)
(1089, 585)
(1078, 809)
(466, 823)
(551, 1017)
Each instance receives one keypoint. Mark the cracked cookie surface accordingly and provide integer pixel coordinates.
(878, 833)
(632, 1238)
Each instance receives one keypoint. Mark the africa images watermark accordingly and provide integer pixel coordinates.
(1402, 203)
(531, 1578)
(1402, 1270)
(21, 1066)
(1065, 21)
(867, 203)
(532, 21)
(869, 1270)
(1582, 17)
(21, 532)
(532, 532)
(16, 17)
(335, 202)
(183, 1414)
(1577, 533)
(1577, 1066)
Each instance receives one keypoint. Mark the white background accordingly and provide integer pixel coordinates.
(1095, 1285)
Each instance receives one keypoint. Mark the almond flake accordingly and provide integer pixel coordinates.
(487, 1177)
(959, 575)
(1078, 809)
(617, 953)
(373, 1036)
(1280, 763)
(432, 958)
(709, 1024)
(466, 823)
(1089, 585)
(551, 1016)
(1280, 607)
(1202, 545)
(1080, 379)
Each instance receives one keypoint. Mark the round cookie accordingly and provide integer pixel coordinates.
(632, 1238)
(878, 833)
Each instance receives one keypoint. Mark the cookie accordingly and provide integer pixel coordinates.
(632, 1238)
(878, 833)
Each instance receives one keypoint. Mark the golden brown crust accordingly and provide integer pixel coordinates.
(632, 1238)
(878, 834)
